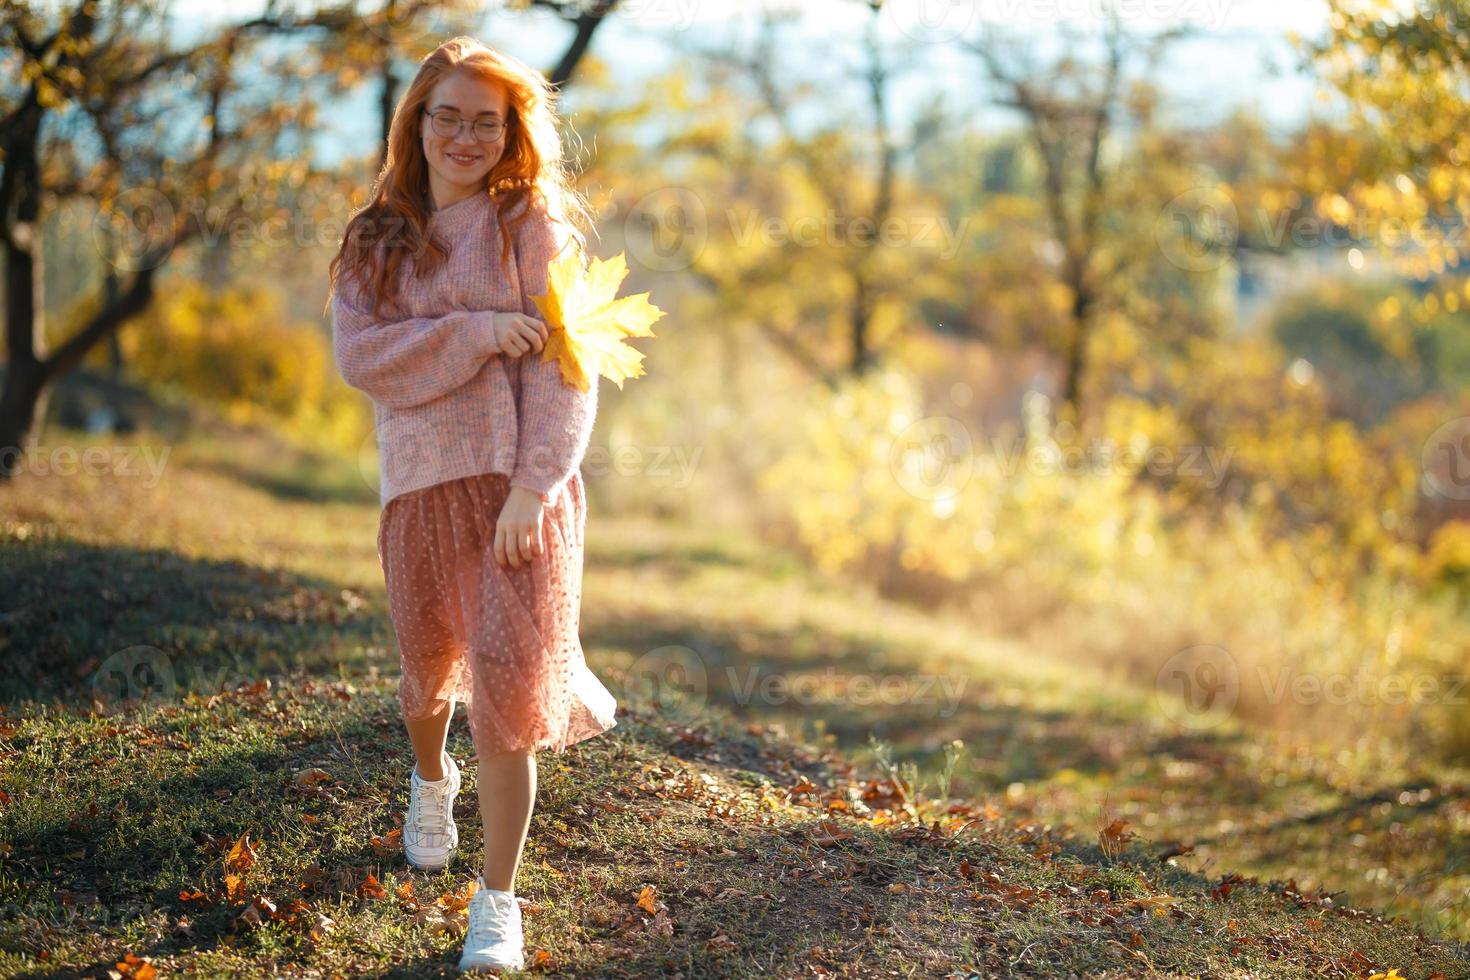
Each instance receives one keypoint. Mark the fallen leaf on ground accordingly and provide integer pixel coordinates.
(242, 854)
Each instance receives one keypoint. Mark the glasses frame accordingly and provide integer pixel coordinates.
(502, 125)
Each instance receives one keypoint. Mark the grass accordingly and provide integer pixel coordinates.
(773, 800)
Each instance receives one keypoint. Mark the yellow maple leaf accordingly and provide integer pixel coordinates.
(588, 325)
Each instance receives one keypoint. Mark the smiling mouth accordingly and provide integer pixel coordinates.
(464, 159)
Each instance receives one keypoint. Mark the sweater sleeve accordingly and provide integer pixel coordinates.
(554, 418)
(403, 363)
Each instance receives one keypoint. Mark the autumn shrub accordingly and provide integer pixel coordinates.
(1234, 512)
(234, 347)
(1377, 343)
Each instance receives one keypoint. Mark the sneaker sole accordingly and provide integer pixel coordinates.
(431, 867)
(491, 967)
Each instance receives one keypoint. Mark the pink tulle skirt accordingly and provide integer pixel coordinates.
(504, 641)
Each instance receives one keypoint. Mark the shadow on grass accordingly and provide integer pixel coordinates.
(138, 827)
(796, 676)
(81, 621)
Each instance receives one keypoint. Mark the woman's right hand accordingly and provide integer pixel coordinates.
(517, 333)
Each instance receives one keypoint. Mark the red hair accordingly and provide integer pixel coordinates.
(394, 225)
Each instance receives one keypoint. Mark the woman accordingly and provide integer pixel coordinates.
(480, 536)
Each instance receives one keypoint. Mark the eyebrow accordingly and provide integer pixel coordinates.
(446, 105)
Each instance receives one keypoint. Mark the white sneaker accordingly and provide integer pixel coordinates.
(493, 938)
(429, 833)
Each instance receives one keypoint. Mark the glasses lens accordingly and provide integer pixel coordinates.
(445, 123)
(488, 130)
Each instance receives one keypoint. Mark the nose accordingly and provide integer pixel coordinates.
(466, 136)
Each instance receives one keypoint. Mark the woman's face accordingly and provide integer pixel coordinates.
(462, 162)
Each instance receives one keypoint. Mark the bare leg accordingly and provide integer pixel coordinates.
(428, 736)
(507, 784)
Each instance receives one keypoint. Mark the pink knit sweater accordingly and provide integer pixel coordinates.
(445, 403)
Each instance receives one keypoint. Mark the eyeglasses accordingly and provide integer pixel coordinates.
(448, 124)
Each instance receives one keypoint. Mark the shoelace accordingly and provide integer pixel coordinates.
(493, 924)
(431, 809)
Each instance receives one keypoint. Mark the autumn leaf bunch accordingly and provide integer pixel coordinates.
(588, 324)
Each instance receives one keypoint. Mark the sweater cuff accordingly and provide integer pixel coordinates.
(540, 489)
(484, 326)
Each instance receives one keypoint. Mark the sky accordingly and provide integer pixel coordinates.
(1274, 15)
(1239, 53)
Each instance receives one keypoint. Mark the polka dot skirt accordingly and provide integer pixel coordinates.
(502, 640)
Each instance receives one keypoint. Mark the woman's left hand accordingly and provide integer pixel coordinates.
(518, 529)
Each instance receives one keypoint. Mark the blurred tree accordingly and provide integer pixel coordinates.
(841, 177)
(101, 103)
(1372, 358)
(1072, 107)
(585, 17)
(1398, 173)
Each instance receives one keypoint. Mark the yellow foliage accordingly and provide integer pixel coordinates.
(869, 475)
(589, 325)
(1301, 552)
(1401, 69)
(1447, 559)
(234, 347)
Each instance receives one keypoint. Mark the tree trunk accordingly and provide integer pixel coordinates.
(387, 98)
(111, 291)
(1076, 363)
(22, 402)
(862, 356)
(585, 25)
(25, 375)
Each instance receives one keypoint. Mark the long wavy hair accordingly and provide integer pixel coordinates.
(393, 226)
